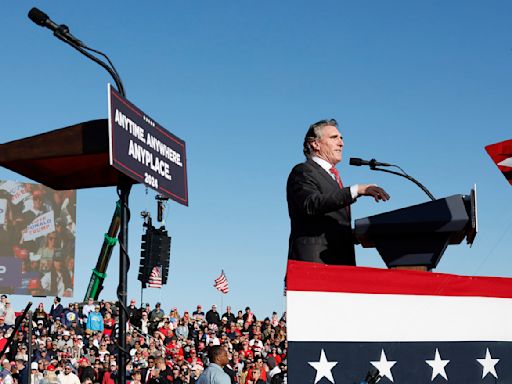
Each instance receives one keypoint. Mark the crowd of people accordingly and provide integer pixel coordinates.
(78, 343)
(37, 231)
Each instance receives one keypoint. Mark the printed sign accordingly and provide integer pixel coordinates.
(41, 226)
(10, 272)
(145, 151)
(16, 190)
(3, 209)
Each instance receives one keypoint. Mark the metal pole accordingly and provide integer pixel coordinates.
(29, 349)
(124, 193)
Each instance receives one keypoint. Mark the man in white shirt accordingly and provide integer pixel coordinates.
(68, 377)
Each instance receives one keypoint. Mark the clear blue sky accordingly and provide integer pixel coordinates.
(422, 84)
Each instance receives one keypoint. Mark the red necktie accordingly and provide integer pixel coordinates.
(336, 174)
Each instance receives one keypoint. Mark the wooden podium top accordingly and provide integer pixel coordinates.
(73, 157)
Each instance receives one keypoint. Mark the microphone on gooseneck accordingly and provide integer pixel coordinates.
(43, 20)
(372, 163)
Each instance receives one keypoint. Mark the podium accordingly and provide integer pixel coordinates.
(416, 237)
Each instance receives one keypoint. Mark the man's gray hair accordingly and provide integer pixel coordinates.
(315, 133)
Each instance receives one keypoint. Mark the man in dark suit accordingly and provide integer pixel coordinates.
(319, 205)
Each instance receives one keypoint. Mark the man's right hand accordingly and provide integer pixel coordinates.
(373, 190)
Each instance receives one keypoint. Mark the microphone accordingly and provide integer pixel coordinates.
(372, 163)
(43, 20)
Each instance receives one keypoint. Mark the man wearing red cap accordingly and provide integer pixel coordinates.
(85, 371)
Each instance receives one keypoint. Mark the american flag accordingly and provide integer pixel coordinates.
(413, 327)
(501, 154)
(155, 278)
(221, 283)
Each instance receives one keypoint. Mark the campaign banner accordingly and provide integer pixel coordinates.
(145, 151)
(10, 272)
(3, 210)
(404, 326)
(41, 226)
(17, 191)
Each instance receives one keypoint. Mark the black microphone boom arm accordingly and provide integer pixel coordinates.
(408, 178)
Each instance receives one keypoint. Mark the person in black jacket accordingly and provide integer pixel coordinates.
(319, 204)
(85, 371)
(212, 316)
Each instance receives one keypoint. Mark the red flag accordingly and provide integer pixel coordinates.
(501, 154)
(221, 283)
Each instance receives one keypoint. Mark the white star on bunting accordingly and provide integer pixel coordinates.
(488, 364)
(438, 366)
(323, 368)
(384, 366)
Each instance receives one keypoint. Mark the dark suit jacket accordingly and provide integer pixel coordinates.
(320, 219)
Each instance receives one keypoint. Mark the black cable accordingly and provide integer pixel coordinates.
(112, 71)
(407, 177)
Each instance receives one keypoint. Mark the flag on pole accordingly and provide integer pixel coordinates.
(155, 278)
(409, 326)
(501, 154)
(221, 283)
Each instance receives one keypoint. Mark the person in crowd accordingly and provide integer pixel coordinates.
(182, 330)
(22, 369)
(57, 309)
(3, 300)
(64, 238)
(35, 376)
(67, 376)
(10, 315)
(157, 314)
(212, 316)
(69, 315)
(95, 321)
(5, 373)
(85, 370)
(111, 376)
(89, 307)
(174, 317)
(230, 316)
(50, 376)
(164, 371)
(258, 371)
(47, 251)
(198, 314)
(214, 374)
(57, 280)
(40, 314)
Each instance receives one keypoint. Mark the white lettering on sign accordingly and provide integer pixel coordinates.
(143, 156)
(164, 150)
(130, 126)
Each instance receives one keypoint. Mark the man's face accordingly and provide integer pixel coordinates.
(330, 146)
